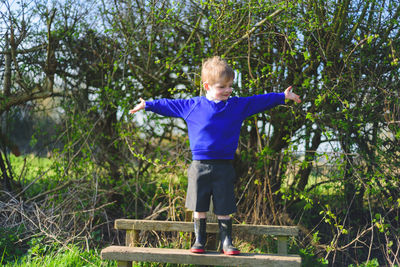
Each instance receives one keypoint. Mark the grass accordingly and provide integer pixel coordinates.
(29, 166)
(70, 257)
(36, 173)
(43, 173)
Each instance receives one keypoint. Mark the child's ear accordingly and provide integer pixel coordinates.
(206, 86)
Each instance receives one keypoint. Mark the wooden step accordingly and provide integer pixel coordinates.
(183, 256)
(149, 225)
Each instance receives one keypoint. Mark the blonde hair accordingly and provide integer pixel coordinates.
(214, 69)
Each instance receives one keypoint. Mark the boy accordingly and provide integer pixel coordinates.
(214, 123)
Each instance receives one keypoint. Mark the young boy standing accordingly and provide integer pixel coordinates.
(214, 123)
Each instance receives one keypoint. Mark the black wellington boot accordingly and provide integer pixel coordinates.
(225, 231)
(200, 226)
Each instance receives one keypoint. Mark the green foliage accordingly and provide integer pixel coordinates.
(69, 256)
(308, 258)
(9, 248)
(371, 263)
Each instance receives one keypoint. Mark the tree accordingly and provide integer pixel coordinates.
(33, 54)
(24, 58)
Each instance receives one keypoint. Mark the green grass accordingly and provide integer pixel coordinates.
(29, 166)
(70, 257)
(37, 174)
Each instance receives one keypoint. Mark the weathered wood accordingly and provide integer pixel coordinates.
(181, 256)
(132, 238)
(188, 215)
(149, 225)
(213, 239)
(282, 245)
(124, 264)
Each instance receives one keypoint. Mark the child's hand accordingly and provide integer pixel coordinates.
(292, 96)
(138, 107)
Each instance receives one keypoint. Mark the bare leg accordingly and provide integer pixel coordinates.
(200, 215)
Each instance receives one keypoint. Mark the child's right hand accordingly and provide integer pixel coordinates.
(138, 107)
(292, 96)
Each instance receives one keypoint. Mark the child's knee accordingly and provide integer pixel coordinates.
(200, 215)
(223, 217)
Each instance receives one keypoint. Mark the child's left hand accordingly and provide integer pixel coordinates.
(292, 96)
(138, 107)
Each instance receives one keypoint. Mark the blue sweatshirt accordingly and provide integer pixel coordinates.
(214, 128)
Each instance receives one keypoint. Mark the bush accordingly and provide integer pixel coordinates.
(9, 240)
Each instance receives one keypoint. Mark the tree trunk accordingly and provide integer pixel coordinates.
(7, 69)
(6, 180)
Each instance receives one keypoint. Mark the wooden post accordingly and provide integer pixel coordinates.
(124, 264)
(213, 239)
(282, 245)
(188, 218)
(131, 240)
(188, 215)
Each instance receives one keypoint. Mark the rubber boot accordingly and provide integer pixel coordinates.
(225, 231)
(200, 226)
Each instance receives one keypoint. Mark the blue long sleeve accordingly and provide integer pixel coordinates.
(214, 128)
(170, 107)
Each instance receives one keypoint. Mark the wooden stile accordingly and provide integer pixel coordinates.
(181, 256)
(129, 253)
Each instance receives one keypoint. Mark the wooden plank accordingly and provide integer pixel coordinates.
(149, 225)
(181, 256)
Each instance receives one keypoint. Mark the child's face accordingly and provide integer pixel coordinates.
(220, 90)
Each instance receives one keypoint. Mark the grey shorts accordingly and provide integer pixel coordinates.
(211, 178)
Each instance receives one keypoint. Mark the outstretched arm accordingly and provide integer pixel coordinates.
(138, 107)
(292, 96)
